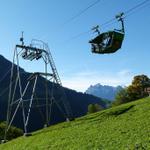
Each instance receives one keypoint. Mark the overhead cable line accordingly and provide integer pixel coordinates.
(82, 11)
(7, 87)
(135, 7)
(78, 35)
(5, 75)
(126, 14)
(5, 90)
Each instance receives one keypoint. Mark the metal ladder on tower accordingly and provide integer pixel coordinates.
(68, 111)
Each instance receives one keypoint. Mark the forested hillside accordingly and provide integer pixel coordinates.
(79, 102)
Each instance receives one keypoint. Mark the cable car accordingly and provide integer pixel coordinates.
(108, 42)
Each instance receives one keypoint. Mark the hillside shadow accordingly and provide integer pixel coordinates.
(120, 111)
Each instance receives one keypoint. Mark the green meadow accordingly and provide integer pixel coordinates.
(125, 127)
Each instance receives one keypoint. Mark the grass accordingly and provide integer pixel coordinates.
(126, 127)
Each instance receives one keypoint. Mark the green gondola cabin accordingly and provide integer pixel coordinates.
(108, 42)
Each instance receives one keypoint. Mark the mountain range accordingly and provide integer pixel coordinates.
(103, 91)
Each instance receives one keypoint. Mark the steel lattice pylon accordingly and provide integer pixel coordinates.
(35, 51)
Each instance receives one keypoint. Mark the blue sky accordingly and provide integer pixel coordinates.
(77, 66)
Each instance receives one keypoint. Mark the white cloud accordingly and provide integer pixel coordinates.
(125, 72)
(82, 80)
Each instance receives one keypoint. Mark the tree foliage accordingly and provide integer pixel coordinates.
(94, 108)
(137, 89)
(12, 133)
(134, 91)
(121, 97)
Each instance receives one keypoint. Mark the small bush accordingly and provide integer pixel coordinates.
(12, 133)
(92, 108)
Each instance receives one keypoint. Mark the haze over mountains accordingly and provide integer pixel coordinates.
(79, 102)
(103, 91)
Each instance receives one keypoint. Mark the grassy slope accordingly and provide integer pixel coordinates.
(126, 127)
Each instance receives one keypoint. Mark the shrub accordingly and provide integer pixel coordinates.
(12, 133)
(94, 108)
